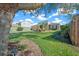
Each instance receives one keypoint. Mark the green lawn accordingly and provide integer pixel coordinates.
(49, 45)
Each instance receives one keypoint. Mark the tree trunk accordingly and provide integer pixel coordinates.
(5, 24)
(6, 16)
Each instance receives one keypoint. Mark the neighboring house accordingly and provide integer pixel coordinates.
(49, 26)
(26, 25)
(35, 28)
(54, 26)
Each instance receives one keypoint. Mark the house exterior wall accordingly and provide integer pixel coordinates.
(35, 28)
(26, 24)
(47, 27)
(54, 26)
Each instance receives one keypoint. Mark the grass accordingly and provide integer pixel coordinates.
(22, 47)
(48, 44)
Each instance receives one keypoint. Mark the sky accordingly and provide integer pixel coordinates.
(53, 16)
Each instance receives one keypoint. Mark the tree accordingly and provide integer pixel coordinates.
(19, 24)
(64, 27)
(43, 25)
(19, 28)
(7, 12)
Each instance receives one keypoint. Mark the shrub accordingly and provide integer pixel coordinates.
(22, 47)
(19, 29)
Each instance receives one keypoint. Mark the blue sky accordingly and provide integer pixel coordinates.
(53, 16)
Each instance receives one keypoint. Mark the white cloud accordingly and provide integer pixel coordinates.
(50, 16)
(20, 20)
(35, 23)
(74, 12)
(14, 22)
(28, 12)
(54, 14)
(26, 20)
(57, 20)
(33, 17)
(41, 17)
(62, 23)
(49, 22)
